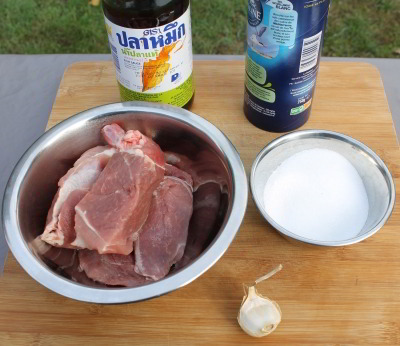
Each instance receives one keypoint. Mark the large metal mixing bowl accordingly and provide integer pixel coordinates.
(33, 184)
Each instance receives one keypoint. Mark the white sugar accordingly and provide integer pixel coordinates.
(317, 194)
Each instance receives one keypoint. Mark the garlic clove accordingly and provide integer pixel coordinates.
(258, 315)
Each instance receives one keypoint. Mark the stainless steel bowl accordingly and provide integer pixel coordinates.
(375, 175)
(33, 184)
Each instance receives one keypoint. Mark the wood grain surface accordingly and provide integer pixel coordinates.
(346, 295)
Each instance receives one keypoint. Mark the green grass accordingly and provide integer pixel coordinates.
(219, 26)
(363, 28)
(51, 26)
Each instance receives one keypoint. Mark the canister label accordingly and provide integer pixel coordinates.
(284, 42)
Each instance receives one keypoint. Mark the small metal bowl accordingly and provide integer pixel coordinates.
(375, 175)
(33, 185)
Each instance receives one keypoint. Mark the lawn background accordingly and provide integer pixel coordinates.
(359, 28)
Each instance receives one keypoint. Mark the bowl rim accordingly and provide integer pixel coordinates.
(41, 273)
(323, 134)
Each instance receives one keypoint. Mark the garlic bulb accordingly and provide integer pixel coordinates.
(259, 316)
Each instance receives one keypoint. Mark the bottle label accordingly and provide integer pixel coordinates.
(154, 64)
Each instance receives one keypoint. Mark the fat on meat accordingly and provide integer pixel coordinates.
(130, 140)
(110, 216)
(111, 269)
(59, 230)
(163, 238)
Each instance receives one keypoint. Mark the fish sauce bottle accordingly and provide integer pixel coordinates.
(284, 44)
(151, 46)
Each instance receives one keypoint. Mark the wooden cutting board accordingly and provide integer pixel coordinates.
(347, 295)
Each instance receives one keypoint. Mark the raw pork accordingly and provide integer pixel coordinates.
(77, 274)
(110, 269)
(206, 205)
(109, 218)
(173, 171)
(130, 140)
(209, 183)
(203, 169)
(162, 241)
(64, 260)
(59, 230)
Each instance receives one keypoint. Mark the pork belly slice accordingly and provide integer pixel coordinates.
(204, 168)
(111, 269)
(161, 243)
(109, 218)
(206, 205)
(59, 230)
